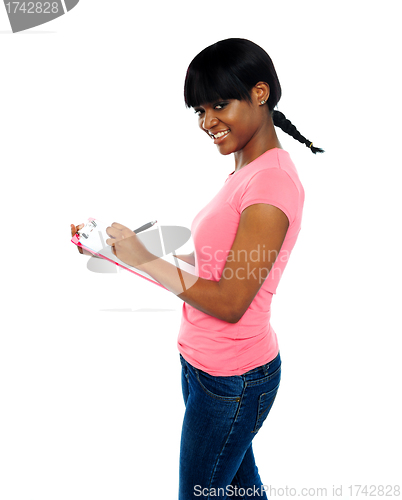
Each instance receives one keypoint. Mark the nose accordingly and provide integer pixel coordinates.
(209, 119)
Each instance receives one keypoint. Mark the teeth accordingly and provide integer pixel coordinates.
(220, 134)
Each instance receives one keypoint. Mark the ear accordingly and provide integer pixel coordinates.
(260, 92)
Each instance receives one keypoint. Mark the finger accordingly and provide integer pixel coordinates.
(119, 226)
(125, 232)
(111, 242)
(73, 232)
(113, 232)
(75, 229)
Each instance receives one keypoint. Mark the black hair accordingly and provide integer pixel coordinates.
(229, 69)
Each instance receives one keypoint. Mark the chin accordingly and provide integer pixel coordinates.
(225, 153)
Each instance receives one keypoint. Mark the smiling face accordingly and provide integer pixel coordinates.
(239, 126)
(231, 124)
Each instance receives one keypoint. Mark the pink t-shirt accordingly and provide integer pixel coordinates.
(213, 345)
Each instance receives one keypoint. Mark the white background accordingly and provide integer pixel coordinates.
(93, 123)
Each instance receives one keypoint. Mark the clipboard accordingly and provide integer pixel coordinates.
(92, 237)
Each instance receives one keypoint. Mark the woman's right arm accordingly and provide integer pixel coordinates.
(189, 258)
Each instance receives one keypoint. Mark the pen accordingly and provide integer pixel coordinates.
(145, 226)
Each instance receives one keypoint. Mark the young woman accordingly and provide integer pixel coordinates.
(243, 237)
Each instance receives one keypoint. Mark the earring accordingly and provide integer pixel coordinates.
(263, 102)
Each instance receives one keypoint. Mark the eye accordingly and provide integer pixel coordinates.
(220, 105)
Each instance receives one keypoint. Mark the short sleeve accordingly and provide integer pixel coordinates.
(272, 186)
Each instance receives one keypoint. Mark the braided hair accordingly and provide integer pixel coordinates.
(287, 126)
(229, 69)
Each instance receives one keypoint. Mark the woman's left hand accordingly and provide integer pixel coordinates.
(126, 246)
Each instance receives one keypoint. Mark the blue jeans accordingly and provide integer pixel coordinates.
(223, 414)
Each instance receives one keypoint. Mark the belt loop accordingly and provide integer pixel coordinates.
(266, 369)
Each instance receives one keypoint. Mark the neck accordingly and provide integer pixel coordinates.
(264, 140)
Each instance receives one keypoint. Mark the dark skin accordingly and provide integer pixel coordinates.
(251, 133)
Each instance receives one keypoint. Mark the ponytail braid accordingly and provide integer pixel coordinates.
(287, 126)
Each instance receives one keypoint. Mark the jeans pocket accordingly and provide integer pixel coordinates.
(223, 388)
(265, 402)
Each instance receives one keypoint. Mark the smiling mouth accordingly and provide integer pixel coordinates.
(219, 134)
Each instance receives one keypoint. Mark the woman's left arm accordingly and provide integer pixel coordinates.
(260, 235)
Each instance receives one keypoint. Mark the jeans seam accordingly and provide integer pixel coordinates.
(227, 438)
(265, 379)
(258, 425)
